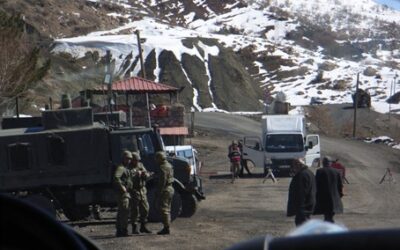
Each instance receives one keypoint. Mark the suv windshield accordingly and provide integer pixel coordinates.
(284, 143)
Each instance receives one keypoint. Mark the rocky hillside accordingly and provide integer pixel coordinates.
(227, 56)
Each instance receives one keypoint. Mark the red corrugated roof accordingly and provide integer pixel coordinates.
(135, 85)
(173, 130)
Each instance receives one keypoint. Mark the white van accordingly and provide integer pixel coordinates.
(187, 152)
(283, 138)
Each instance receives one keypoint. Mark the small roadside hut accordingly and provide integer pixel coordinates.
(132, 96)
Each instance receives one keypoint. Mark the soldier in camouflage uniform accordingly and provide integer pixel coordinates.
(164, 191)
(139, 203)
(123, 183)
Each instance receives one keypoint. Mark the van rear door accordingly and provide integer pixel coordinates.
(313, 154)
(253, 150)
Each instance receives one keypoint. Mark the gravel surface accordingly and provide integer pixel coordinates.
(249, 207)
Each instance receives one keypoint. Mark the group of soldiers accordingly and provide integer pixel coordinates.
(130, 181)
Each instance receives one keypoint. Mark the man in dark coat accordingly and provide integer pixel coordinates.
(301, 200)
(329, 191)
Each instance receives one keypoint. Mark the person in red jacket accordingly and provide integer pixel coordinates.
(234, 156)
(342, 170)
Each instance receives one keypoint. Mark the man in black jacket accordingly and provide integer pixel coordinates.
(301, 200)
(329, 191)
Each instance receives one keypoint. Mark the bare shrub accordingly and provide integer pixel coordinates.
(19, 67)
(320, 116)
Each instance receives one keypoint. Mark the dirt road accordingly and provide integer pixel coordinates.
(249, 207)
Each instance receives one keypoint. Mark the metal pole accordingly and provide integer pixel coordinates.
(140, 54)
(355, 107)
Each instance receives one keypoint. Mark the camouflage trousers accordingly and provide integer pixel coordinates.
(122, 214)
(165, 201)
(139, 208)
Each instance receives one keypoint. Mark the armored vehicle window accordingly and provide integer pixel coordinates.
(147, 144)
(19, 156)
(56, 150)
(129, 142)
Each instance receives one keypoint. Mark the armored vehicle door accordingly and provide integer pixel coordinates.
(144, 141)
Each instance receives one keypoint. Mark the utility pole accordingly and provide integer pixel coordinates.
(108, 80)
(143, 71)
(355, 104)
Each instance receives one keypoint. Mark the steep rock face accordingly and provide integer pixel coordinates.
(171, 73)
(233, 87)
(264, 46)
(196, 72)
(58, 18)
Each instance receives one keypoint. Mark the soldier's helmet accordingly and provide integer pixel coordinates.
(161, 156)
(127, 154)
(234, 142)
(136, 156)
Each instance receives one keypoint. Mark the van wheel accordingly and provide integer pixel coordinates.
(154, 213)
(189, 205)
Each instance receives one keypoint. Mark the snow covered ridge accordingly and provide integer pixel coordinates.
(257, 25)
(384, 140)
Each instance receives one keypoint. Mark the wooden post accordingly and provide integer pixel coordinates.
(140, 54)
(17, 106)
(108, 80)
(355, 107)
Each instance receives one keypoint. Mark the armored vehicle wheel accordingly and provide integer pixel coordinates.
(75, 212)
(42, 202)
(189, 205)
(71, 210)
(154, 214)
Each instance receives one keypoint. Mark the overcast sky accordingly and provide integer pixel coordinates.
(391, 3)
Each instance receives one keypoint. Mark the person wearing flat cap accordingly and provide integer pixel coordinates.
(301, 200)
(329, 191)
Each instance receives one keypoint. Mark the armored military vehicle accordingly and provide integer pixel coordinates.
(66, 160)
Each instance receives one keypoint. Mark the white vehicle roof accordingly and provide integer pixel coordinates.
(281, 123)
(178, 147)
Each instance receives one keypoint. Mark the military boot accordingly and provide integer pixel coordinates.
(143, 228)
(164, 231)
(135, 229)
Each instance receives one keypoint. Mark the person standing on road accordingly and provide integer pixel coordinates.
(139, 203)
(234, 157)
(164, 191)
(123, 183)
(329, 191)
(243, 163)
(301, 199)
